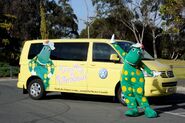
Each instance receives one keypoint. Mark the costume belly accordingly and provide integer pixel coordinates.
(132, 84)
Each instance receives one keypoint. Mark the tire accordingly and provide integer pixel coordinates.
(36, 89)
(120, 97)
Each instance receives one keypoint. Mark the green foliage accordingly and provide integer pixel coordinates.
(172, 12)
(8, 71)
(22, 20)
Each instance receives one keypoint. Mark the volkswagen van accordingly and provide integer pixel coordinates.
(88, 66)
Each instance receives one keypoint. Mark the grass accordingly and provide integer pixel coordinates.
(178, 67)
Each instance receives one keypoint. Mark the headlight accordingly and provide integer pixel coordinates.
(167, 74)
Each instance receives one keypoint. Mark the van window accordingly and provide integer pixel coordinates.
(34, 50)
(63, 51)
(70, 51)
(102, 52)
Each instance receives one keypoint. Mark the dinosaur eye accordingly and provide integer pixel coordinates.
(139, 53)
(133, 49)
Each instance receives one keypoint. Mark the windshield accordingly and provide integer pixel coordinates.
(127, 45)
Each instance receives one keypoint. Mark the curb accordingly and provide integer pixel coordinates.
(8, 79)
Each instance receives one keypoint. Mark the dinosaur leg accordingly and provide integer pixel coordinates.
(130, 99)
(143, 102)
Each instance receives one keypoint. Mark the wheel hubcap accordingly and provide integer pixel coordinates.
(122, 97)
(35, 89)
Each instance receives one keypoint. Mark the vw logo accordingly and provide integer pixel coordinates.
(103, 73)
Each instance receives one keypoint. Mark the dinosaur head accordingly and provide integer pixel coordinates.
(135, 54)
(44, 55)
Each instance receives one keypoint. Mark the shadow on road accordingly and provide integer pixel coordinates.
(80, 97)
(173, 100)
(168, 103)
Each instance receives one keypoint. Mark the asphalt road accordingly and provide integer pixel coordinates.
(16, 107)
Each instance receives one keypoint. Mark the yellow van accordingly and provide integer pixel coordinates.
(87, 66)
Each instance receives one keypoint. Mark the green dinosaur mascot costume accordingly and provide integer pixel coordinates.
(41, 65)
(132, 80)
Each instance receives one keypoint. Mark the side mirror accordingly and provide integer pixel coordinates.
(114, 57)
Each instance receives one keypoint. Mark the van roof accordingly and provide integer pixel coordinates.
(74, 40)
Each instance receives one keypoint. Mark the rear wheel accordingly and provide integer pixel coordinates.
(120, 97)
(36, 89)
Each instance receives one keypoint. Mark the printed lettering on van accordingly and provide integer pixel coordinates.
(70, 74)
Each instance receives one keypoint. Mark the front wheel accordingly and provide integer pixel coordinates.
(36, 89)
(120, 97)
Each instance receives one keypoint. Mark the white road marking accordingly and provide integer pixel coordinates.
(176, 114)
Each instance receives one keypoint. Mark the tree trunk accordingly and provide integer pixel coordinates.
(154, 46)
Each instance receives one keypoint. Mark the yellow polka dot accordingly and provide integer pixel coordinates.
(127, 101)
(129, 88)
(44, 80)
(144, 99)
(133, 79)
(126, 78)
(45, 76)
(130, 95)
(124, 88)
(133, 90)
(126, 72)
(132, 104)
(123, 53)
(141, 80)
(139, 90)
(132, 73)
(123, 71)
(138, 72)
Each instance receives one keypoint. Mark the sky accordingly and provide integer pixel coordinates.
(80, 8)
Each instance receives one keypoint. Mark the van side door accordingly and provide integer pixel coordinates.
(103, 74)
(71, 69)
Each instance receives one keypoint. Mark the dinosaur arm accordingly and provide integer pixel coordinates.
(32, 63)
(145, 68)
(120, 50)
(50, 63)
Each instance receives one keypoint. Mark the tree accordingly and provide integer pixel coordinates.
(129, 13)
(172, 12)
(43, 28)
(153, 19)
(61, 20)
(22, 20)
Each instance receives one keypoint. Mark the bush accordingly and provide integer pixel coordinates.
(8, 71)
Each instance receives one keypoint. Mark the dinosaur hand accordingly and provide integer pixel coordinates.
(33, 72)
(49, 75)
(112, 39)
(155, 73)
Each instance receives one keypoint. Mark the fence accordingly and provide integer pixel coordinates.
(9, 71)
